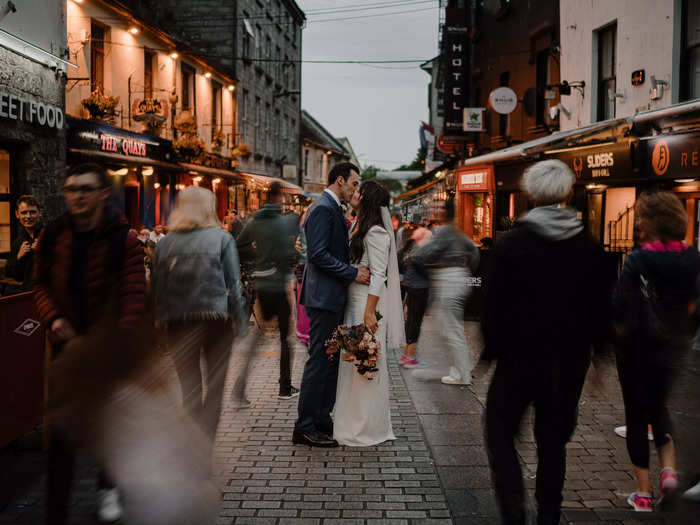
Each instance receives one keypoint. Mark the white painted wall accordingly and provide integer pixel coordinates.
(645, 36)
(124, 58)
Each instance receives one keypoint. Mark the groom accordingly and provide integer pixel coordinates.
(327, 275)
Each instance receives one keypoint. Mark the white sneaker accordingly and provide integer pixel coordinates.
(622, 432)
(449, 380)
(109, 508)
(693, 493)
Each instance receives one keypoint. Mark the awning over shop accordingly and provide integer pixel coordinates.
(263, 182)
(415, 191)
(98, 140)
(216, 172)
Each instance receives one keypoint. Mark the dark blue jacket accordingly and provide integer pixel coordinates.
(328, 272)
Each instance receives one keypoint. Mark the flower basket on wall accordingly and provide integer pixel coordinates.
(101, 107)
(189, 147)
(217, 140)
(242, 150)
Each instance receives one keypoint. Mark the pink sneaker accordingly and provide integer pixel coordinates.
(641, 503)
(403, 359)
(668, 483)
(411, 363)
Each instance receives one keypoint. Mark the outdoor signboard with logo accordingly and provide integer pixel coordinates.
(450, 143)
(599, 163)
(455, 65)
(671, 156)
(474, 119)
(87, 136)
(503, 100)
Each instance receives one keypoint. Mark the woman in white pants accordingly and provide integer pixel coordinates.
(451, 256)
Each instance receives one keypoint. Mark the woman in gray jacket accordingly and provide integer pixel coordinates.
(197, 293)
(451, 257)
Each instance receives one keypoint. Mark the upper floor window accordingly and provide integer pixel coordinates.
(243, 108)
(188, 87)
(690, 63)
(607, 82)
(248, 36)
(149, 67)
(216, 90)
(503, 81)
(97, 57)
(542, 81)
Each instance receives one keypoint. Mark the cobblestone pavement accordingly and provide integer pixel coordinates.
(435, 472)
(599, 475)
(267, 479)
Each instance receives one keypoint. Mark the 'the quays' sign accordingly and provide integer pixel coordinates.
(25, 110)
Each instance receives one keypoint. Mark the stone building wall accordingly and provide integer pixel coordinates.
(38, 153)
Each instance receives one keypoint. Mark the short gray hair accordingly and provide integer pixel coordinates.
(548, 181)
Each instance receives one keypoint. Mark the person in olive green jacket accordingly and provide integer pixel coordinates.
(268, 239)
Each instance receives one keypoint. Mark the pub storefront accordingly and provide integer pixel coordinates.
(143, 168)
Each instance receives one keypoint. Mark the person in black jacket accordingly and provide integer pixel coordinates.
(650, 307)
(20, 265)
(545, 308)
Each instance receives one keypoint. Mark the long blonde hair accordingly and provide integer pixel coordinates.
(195, 207)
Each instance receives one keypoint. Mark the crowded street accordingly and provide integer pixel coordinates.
(435, 472)
(324, 262)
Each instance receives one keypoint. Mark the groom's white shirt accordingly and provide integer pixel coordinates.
(332, 194)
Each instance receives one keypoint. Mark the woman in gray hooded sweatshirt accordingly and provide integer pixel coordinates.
(545, 307)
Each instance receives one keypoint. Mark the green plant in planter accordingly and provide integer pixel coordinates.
(189, 147)
(242, 150)
(99, 106)
(507, 223)
(217, 140)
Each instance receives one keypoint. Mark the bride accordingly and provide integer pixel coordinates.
(362, 416)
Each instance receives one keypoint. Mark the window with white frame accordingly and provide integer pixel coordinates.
(607, 82)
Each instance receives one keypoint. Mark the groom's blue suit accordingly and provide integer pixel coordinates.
(327, 275)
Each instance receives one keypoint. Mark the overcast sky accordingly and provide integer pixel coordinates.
(378, 109)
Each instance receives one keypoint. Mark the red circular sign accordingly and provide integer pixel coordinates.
(660, 158)
(444, 145)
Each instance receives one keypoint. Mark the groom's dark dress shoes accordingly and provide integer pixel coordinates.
(313, 439)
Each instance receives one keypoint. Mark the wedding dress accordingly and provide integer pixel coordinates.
(362, 416)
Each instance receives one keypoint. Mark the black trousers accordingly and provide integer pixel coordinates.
(317, 396)
(645, 390)
(554, 390)
(416, 305)
(276, 304)
(62, 455)
(212, 340)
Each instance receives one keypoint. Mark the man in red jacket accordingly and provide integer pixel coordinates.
(87, 264)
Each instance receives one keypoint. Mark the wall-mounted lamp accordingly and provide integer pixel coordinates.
(329, 152)
(216, 180)
(207, 74)
(121, 171)
(683, 181)
(148, 170)
(198, 178)
(134, 30)
(657, 88)
(156, 185)
(231, 87)
(174, 55)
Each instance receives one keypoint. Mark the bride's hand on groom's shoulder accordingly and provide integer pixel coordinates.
(362, 276)
(371, 322)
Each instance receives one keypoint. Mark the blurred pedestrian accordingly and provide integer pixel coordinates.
(302, 326)
(20, 264)
(269, 239)
(197, 298)
(546, 306)
(416, 282)
(88, 267)
(451, 257)
(651, 304)
(233, 223)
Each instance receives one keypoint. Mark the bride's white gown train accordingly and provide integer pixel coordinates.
(362, 415)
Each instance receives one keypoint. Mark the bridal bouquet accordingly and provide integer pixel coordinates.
(357, 346)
